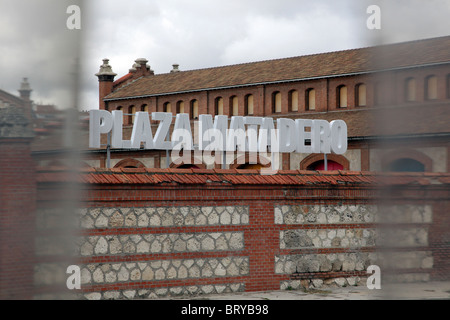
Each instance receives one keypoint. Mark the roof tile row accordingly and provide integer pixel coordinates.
(397, 55)
(235, 177)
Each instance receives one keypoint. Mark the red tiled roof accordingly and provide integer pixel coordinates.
(234, 177)
(122, 80)
(400, 55)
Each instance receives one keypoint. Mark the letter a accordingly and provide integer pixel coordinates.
(74, 281)
(374, 281)
(374, 21)
(74, 21)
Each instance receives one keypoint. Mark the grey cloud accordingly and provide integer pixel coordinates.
(405, 20)
(195, 34)
(37, 44)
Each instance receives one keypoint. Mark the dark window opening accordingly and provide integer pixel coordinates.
(406, 165)
(248, 166)
(188, 166)
(320, 166)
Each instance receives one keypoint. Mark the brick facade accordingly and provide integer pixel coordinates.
(385, 103)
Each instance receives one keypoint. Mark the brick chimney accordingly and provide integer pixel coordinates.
(142, 68)
(106, 80)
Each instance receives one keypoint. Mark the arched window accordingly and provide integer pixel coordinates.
(406, 160)
(410, 89)
(129, 163)
(431, 88)
(193, 163)
(218, 106)
(144, 108)
(342, 100)
(317, 162)
(406, 165)
(293, 100)
(249, 107)
(310, 101)
(276, 102)
(246, 162)
(234, 106)
(361, 95)
(248, 166)
(132, 114)
(194, 109)
(180, 107)
(187, 166)
(167, 107)
(320, 166)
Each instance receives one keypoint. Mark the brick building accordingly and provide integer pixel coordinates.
(394, 99)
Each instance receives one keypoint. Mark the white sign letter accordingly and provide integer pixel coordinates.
(236, 135)
(100, 121)
(286, 136)
(320, 141)
(339, 137)
(163, 130)
(303, 135)
(142, 131)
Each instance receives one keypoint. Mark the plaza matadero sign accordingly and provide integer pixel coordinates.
(242, 134)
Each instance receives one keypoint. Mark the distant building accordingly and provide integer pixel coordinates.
(23, 101)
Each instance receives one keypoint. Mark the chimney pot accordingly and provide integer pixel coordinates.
(106, 80)
(175, 68)
(106, 70)
(142, 62)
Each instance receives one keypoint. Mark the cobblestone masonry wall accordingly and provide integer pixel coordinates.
(402, 227)
(128, 232)
(179, 241)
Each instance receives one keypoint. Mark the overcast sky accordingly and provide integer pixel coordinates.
(36, 43)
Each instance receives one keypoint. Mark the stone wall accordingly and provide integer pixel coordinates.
(350, 237)
(152, 241)
(138, 232)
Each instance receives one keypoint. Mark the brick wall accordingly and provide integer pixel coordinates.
(17, 206)
(153, 233)
(17, 203)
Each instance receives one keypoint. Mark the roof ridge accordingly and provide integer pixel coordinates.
(301, 56)
(129, 176)
(294, 68)
(10, 95)
(256, 62)
(124, 86)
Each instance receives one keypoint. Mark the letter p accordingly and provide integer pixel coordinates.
(100, 121)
